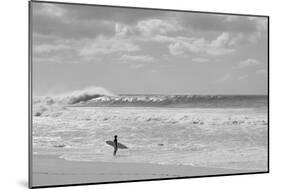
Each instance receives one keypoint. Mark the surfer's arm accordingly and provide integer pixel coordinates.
(115, 144)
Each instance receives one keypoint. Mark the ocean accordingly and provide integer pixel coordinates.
(223, 131)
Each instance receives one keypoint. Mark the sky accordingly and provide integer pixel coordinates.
(143, 51)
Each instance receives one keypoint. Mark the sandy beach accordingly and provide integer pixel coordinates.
(51, 170)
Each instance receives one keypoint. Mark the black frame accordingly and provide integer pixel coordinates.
(145, 8)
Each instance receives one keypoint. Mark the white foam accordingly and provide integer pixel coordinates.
(183, 139)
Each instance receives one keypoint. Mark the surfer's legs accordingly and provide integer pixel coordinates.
(115, 151)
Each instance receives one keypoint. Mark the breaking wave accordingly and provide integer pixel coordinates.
(185, 101)
(100, 97)
(57, 103)
(84, 95)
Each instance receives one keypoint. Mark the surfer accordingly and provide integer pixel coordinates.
(115, 145)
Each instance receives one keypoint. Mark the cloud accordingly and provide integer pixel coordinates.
(251, 29)
(219, 46)
(200, 60)
(85, 33)
(52, 49)
(189, 20)
(146, 30)
(249, 62)
(237, 39)
(216, 47)
(47, 9)
(260, 22)
(221, 40)
(137, 58)
(261, 29)
(116, 14)
(58, 49)
(126, 36)
(52, 19)
(72, 29)
(216, 22)
(70, 21)
(220, 51)
(181, 47)
(150, 31)
(152, 26)
(122, 30)
(102, 45)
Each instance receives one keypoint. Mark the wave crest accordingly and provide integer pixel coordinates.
(51, 105)
(84, 95)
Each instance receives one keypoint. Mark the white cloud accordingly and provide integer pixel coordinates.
(52, 49)
(137, 58)
(200, 60)
(127, 39)
(50, 10)
(216, 47)
(157, 26)
(148, 28)
(261, 28)
(249, 62)
(221, 40)
(159, 38)
(121, 29)
(219, 46)
(237, 39)
(102, 45)
(181, 47)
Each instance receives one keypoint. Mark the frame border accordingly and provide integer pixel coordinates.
(30, 94)
(30, 87)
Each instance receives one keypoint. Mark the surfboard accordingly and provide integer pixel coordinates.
(119, 145)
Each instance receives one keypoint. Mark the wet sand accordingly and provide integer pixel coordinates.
(51, 170)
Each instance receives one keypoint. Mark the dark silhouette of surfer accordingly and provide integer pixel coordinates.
(115, 145)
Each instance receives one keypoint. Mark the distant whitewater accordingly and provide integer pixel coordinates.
(100, 97)
(204, 130)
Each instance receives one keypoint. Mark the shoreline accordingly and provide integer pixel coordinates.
(52, 170)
